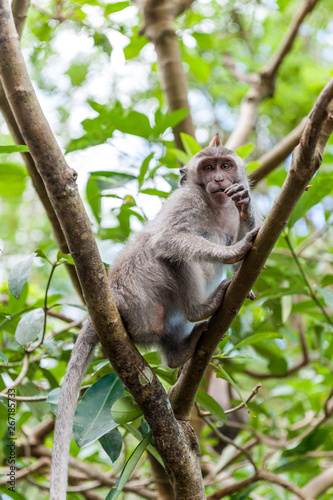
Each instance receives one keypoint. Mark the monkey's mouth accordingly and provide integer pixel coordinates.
(219, 190)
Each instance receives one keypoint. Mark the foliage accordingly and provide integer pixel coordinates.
(104, 101)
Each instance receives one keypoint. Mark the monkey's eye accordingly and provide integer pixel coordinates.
(226, 166)
(207, 168)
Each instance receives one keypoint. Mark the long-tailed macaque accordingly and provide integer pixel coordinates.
(168, 277)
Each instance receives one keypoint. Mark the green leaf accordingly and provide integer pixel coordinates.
(253, 339)
(252, 166)
(245, 150)
(144, 169)
(209, 404)
(125, 410)
(29, 327)
(130, 428)
(112, 443)
(116, 7)
(4, 358)
(328, 296)
(13, 149)
(309, 443)
(19, 274)
(155, 192)
(102, 41)
(93, 413)
(180, 155)
(65, 258)
(77, 72)
(162, 122)
(12, 179)
(93, 194)
(128, 468)
(190, 144)
(135, 46)
(322, 185)
(221, 373)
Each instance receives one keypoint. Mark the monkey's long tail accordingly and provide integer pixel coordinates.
(65, 413)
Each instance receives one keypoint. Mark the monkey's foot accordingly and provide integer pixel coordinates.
(185, 349)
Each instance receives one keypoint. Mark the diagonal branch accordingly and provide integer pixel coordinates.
(175, 441)
(305, 162)
(19, 9)
(263, 83)
(158, 25)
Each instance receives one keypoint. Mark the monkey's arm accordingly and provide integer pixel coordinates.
(212, 303)
(178, 245)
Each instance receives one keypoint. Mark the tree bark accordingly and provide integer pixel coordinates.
(158, 25)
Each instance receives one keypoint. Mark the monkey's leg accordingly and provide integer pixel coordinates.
(177, 354)
(213, 302)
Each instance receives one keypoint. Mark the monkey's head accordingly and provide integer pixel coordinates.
(214, 169)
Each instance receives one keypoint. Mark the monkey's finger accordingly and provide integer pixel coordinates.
(234, 188)
(252, 234)
(242, 196)
(243, 201)
(251, 295)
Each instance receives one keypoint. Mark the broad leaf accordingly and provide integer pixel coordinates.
(112, 443)
(209, 404)
(190, 144)
(125, 410)
(253, 339)
(93, 413)
(19, 274)
(30, 327)
(245, 150)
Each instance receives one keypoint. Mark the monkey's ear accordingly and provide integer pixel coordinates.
(216, 141)
(183, 176)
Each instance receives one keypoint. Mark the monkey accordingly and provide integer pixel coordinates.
(169, 276)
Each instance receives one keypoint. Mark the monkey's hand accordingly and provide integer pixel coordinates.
(241, 248)
(241, 197)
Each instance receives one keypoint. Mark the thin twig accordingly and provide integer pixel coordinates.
(21, 375)
(244, 403)
(229, 441)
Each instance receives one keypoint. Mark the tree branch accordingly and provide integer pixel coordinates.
(303, 167)
(175, 441)
(19, 9)
(263, 83)
(158, 25)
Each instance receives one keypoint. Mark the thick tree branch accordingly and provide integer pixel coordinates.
(319, 484)
(305, 162)
(158, 25)
(263, 83)
(19, 9)
(175, 441)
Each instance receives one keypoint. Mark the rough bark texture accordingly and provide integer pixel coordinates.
(176, 441)
(158, 25)
(305, 162)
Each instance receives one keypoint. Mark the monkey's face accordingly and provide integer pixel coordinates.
(215, 174)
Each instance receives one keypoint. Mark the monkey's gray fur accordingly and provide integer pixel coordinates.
(168, 276)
